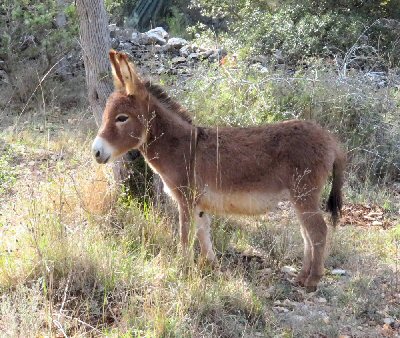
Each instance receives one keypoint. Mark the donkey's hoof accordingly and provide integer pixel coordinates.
(301, 280)
(311, 282)
(208, 261)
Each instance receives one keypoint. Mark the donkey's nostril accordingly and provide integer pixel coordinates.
(97, 153)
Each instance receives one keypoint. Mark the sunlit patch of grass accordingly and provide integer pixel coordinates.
(8, 172)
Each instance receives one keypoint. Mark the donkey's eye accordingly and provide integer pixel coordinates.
(121, 118)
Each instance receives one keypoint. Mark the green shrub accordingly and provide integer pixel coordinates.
(306, 28)
(31, 43)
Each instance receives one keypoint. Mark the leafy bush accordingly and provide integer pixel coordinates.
(31, 42)
(306, 28)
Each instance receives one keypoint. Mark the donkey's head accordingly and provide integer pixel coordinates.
(124, 124)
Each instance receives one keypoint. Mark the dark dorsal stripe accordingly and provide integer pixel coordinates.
(159, 93)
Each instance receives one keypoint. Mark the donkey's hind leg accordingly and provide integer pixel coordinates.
(307, 258)
(203, 221)
(316, 231)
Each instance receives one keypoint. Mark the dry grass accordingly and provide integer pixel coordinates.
(77, 258)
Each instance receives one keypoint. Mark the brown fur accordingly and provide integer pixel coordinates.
(231, 170)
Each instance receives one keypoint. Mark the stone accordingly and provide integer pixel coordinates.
(4, 77)
(114, 43)
(126, 45)
(160, 32)
(140, 38)
(185, 51)
(155, 38)
(217, 55)
(289, 303)
(326, 320)
(194, 56)
(206, 54)
(124, 34)
(177, 43)
(280, 309)
(388, 320)
(339, 272)
(178, 59)
(377, 223)
(290, 270)
(160, 70)
(112, 27)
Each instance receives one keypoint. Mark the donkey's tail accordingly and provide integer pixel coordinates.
(334, 203)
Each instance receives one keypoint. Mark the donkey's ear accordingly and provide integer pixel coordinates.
(129, 76)
(119, 83)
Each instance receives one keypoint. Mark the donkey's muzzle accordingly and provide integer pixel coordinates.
(101, 150)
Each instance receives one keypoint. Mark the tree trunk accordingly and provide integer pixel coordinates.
(94, 35)
(95, 43)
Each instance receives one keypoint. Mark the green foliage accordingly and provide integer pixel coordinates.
(233, 98)
(31, 42)
(119, 10)
(301, 29)
(177, 22)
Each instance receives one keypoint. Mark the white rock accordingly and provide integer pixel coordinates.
(193, 56)
(178, 59)
(388, 320)
(160, 70)
(290, 270)
(339, 272)
(185, 51)
(289, 303)
(155, 37)
(177, 42)
(4, 77)
(112, 27)
(280, 309)
(377, 223)
(321, 300)
(140, 38)
(125, 45)
(160, 32)
(123, 34)
(206, 54)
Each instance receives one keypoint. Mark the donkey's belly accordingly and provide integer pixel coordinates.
(241, 203)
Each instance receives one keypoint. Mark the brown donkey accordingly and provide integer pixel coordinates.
(224, 170)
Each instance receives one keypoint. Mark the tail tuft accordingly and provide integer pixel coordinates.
(334, 203)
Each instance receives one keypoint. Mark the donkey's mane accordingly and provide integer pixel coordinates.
(159, 93)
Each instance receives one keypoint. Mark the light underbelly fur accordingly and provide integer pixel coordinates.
(240, 203)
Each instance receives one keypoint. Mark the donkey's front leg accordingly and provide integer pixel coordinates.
(203, 221)
(184, 225)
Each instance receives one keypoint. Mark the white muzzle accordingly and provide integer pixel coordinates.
(102, 150)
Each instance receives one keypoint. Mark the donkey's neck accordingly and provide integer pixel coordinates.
(170, 146)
